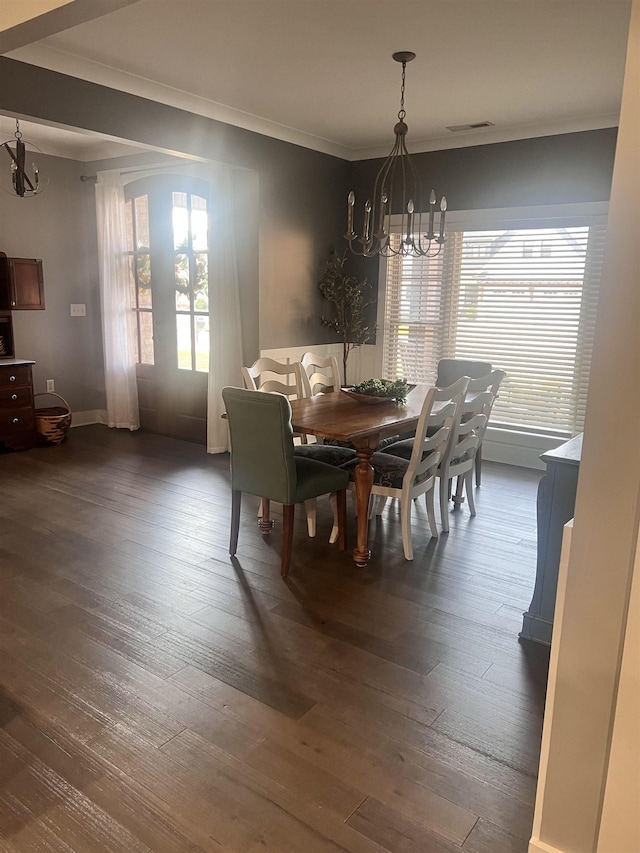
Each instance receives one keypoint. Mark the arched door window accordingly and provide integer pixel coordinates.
(168, 225)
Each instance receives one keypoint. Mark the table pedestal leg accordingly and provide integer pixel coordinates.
(363, 476)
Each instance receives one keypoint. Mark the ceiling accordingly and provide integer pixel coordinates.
(320, 72)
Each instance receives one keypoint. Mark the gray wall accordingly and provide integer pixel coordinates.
(296, 200)
(299, 190)
(55, 226)
(563, 169)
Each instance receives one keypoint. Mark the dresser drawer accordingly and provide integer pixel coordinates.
(12, 376)
(15, 398)
(16, 420)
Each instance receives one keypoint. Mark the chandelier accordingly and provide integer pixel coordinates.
(23, 184)
(397, 188)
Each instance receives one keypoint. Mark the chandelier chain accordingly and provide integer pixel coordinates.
(402, 112)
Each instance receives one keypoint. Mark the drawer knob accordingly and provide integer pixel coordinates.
(15, 420)
(14, 396)
(12, 379)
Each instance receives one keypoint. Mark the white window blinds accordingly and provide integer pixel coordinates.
(524, 299)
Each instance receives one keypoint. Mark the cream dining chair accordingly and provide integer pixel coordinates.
(408, 478)
(319, 374)
(450, 369)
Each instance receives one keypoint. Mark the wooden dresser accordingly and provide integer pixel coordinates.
(17, 412)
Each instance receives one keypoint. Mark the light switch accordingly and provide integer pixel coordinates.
(78, 309)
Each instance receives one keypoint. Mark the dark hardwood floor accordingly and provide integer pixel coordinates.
(156, 695)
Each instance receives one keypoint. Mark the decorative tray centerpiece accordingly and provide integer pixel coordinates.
(374, 391)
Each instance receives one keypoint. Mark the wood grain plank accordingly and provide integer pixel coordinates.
(485, 837)
(157, 695)
(396, 831)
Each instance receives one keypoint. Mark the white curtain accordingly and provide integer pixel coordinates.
(225, 351)
(118, 330)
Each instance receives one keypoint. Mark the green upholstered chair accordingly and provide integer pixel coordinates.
(263, 463)
(452, 369)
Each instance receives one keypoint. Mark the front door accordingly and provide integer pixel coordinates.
(168, 224)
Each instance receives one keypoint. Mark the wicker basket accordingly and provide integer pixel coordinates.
(53, 422)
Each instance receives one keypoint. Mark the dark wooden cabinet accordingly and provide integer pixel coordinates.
(17, 411)
(556, 506)
(21, 284)
(6, 335)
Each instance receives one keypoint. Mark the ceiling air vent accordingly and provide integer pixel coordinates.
(476, 125)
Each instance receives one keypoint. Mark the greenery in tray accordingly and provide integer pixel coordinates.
(383, 388)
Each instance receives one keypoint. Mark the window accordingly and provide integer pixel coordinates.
(167, 225)
(137, 215)
(523, 298)
(190, 229)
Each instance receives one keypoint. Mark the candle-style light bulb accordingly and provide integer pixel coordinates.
(351, 200)
(384, 198)
(432, 209)
(410, 210)
(443, 210)
(367, 220)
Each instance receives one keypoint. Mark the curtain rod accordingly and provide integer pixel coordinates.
(131, 170)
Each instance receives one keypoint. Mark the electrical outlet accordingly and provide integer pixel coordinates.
(51, 386)
(78, 309)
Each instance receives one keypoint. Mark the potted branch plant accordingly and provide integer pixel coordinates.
(348, 303)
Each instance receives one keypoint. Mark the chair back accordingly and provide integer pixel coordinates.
(469, 430)
(486, 384)
(319, 374)
(451, 369)
(489, 382)
(267, 374)
(468, 438)
(262, 459)
(439, 419)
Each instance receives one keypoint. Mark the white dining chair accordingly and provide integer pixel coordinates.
(319, 374)
(409, 478)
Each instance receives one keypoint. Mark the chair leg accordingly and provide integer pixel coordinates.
(310, 507)
(431, 511)
(236, 500)
(458, 498)
(444, 504)
(478, 464)
(468, 482)
(381, 502)
(287, 538)
(335, 530)
(266, 522)
(341, 501)
(405, 524)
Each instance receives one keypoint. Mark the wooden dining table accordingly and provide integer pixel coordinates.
(336, 415)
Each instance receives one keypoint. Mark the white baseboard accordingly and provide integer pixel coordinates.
(517, 448)
(95, 416)
(537, 846)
